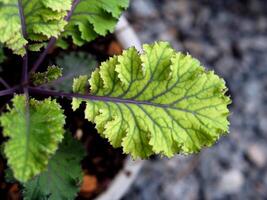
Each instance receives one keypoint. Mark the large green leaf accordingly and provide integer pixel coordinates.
(34, 133)
(43, 19)
(92, 18)
(64, 173)
(158, 102)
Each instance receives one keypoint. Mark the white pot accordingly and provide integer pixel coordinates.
(124, 179)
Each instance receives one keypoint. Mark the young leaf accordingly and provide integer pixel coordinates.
(33, 133)
(43, 19)
(53, 73)
(92, 18)
(158, 102)
(63, 175)
(73, 65)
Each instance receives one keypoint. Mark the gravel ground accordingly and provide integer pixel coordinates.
(229, 36)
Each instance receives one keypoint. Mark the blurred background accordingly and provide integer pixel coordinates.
(230, 37)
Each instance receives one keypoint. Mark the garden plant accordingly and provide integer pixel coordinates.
(158, 101)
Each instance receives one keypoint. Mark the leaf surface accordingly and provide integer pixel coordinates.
(63, 175)
(43, 19)
(34, 139)
(46, 18)
(92, 18)
(161, 102)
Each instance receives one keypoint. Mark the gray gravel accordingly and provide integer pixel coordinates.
(229, 36)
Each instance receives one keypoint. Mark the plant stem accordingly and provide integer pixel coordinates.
(4, 83)
(60, 94)
(9, 91)
(41, 58)
(22, 19)
(53, 40)
(90, 97)
(74, 4)
(24, 78)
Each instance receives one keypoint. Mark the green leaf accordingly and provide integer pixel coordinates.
(161, 102)
(53, 73)
(59, 5)
(92, 18)
(64, 174)
(43, 19)
(80, 85)
(36, 46)
(73, 64)
(33, 133)
(9, 176)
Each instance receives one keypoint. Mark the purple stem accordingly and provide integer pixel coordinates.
(41, 58)
(9, 91)
(53, 40)
(74, 4)
(22, 19)
(4, 83)
(24, 78)
(45, 92)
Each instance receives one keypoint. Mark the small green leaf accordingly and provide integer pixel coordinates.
(36, 46)
(33, 134)
(62, 178)
(160, 102)
(53, 73)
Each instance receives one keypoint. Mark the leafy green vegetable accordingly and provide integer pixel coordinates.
(43, 19)
(34, 134)
(64, 173)
(53, 73)
(73, 64)
(158, 102)
(46, 18)
(92, 18)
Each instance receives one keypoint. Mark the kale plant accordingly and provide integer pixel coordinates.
(156, 102)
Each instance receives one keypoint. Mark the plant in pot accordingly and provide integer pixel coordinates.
(157, 101)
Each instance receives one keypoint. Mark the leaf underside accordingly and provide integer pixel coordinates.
(34, 135)
(63, 175)
(160, 102)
